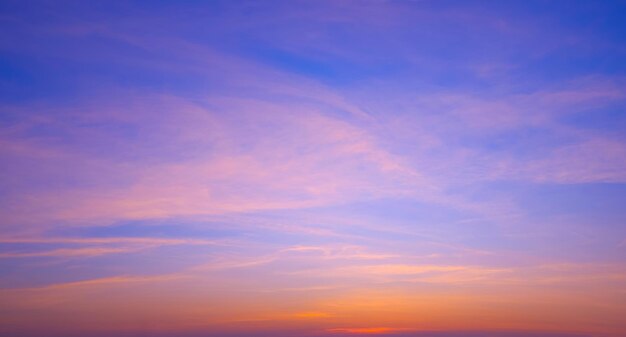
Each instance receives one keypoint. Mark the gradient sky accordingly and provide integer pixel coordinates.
(313, 168)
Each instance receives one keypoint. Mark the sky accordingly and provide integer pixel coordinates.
(313, 168)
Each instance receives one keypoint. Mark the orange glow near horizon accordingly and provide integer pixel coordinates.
(367, 331)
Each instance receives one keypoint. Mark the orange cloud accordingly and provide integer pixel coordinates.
(312, 314)
(373, 331)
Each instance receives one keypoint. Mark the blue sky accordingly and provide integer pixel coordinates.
(320, 168)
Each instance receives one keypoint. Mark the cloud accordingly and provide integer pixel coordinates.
(367, 331)
(311, 315)
(95, 246)
(78, 252)
(111, 281)
(309, 159)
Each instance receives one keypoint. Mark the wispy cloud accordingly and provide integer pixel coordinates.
(367, 331)
(95, 246)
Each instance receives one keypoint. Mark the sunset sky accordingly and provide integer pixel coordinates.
(313, 168)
